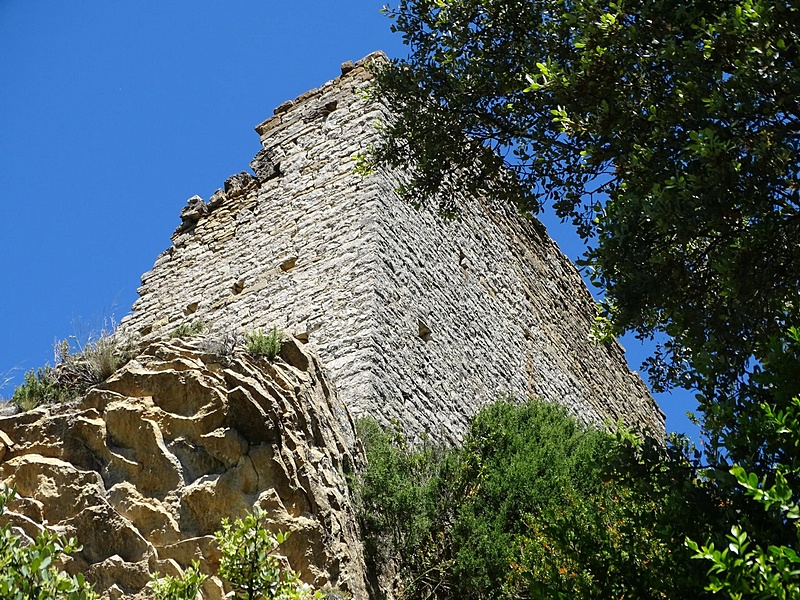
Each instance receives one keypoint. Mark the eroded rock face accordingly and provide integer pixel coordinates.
(143, 469)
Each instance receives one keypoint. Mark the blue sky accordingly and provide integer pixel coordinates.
(112, 114)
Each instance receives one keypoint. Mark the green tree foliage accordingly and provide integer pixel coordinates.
(745, 568)
(759, 558)
(519, 464)
(30, 571)
(249, 564)
(185, 587)
(624, 539)
(533, 505)
(669, 131)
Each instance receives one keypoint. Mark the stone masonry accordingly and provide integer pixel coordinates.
(416, 318)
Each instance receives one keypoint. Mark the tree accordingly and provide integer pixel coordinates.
(249, 563)
(535, 505)
(759, 558)
(668, 132)
(747, 568)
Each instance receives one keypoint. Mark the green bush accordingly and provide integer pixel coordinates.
(264, 344)
(75, 372)
(185, 587)
(94, 362)
(29, 571)
(40, 386)
(188, 330)
(532, 505)
(331, 593)
(519, 460)
(249, 564)
(402, 503)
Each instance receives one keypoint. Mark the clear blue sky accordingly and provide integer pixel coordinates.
(112, 114)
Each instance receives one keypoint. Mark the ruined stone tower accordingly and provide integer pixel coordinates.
(417, 319)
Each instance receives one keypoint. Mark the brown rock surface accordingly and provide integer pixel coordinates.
(143, 469)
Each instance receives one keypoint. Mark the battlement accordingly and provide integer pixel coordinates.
(417, 319)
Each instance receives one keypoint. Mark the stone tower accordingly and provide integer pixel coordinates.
(417, 319)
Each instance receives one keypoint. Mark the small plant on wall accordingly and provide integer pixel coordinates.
(264, 344)
(188, 330)
(185, 587)
(249, 565)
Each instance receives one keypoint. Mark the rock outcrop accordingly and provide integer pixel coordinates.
(143, 468)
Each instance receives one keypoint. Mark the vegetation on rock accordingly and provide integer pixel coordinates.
(29, 570)
(76, 370)
(184, 587)
(268, 345)
(40, 386)
(248, 564)
(188, 330)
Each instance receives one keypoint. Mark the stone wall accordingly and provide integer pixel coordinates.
(416, 318)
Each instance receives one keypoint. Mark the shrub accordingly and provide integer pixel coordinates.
(188, 330)
(185, 587)
(519, 460)
(76, 370)
(40, 386)
(261, 344)
(249, 564)
(94, 362)
(30, 571)
(402, 506)
(332, 593)
(530, 506)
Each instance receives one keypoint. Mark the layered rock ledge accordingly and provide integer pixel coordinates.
(143, 468)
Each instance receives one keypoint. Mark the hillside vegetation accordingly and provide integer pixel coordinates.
(668, 133)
